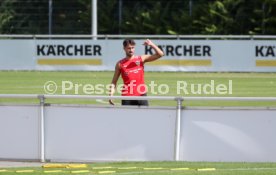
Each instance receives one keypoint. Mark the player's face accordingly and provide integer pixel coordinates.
(129, 49)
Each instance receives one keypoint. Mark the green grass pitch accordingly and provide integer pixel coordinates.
(154, 168)
(243, 85)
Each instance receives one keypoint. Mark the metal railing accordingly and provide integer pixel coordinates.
(236, 37)
(169, 98)
(179, 102)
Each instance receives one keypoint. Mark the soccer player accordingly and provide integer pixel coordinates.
(131, 69)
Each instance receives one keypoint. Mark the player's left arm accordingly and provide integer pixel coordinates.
(158, 52)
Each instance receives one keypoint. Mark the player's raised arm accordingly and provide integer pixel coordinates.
(116, 75)
(158, 52)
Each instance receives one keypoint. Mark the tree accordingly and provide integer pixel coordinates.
(71, 17)
(6, 16)
(237, 17)
(263, 18)
(155, 17)
(17, 17)
(141, 17)
(108, 17)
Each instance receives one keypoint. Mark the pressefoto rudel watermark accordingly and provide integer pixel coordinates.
(182, 88)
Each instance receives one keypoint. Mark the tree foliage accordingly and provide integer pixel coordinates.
(176, 17)
(17, 16)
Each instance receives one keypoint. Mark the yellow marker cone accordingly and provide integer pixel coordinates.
(157, 168)
(179, 169)
(24, 171)
(53, 171)
(106, 172)
(76, 166)
(126, 168)
(3, 170)
(64, 165)
(54, 165)
(206, 169)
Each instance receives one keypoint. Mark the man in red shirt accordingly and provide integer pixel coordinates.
(131, 69)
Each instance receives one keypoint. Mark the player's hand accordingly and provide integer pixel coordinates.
(111, 102)
(111, 92)
(148, 42)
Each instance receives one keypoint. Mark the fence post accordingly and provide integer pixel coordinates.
(178, 129)
(42, 136)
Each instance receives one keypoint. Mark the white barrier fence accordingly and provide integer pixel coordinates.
(181, 53)
(129, 133)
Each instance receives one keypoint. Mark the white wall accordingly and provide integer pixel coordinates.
(19, 132)
(85, 133)
(228, 135)
(89, 133)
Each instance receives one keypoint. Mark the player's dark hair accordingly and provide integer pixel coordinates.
(128, 41)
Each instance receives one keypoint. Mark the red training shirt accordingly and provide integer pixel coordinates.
(132, 72)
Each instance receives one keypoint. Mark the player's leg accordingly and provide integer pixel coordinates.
(143, 102)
